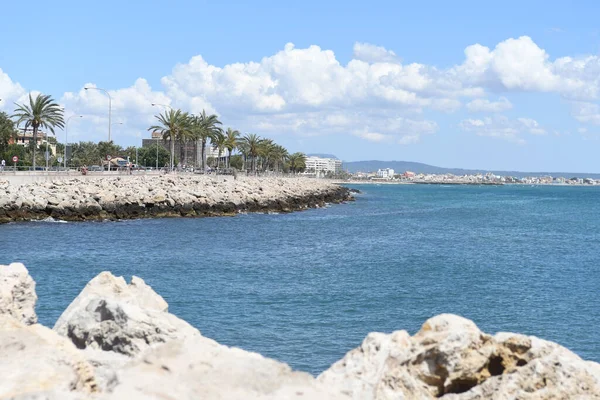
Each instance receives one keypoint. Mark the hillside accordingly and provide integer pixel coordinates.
(401, 166)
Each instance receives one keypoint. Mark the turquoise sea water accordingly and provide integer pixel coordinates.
(307, 287)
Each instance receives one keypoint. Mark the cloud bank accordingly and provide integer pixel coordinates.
(374, 96)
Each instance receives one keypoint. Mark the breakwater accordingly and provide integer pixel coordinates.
(114, 198)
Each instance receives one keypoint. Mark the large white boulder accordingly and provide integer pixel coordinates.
(451, 358)
(200, 368)
(17, 293)
(36, 362)
(113, 316)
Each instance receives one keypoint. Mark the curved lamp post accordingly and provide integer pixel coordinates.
(67, 135)
(109, 106)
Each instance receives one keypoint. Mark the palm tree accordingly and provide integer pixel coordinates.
(265, 151)
(231, 143)
(251, 144)
(297, 162)
(174, 124)
(42, 112)
(205, 127)
(279, 154)
(218, 142)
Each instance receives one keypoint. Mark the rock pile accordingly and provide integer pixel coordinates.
(118, 341)
(162, 196)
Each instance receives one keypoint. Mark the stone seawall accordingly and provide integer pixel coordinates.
(119, 341)
(161, 196)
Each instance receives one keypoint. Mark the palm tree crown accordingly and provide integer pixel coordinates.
(297, 162)
(43, 112)
(173, 125)
(231, 142)
(205, 127)
(251, 145)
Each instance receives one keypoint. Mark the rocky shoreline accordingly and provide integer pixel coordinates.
(118, 341)
(135, 197)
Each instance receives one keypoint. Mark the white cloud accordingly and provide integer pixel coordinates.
(502, 127)
(374, 136)
(586, 112)
(374, 54)
(484, 105)
(521, 65)
(9, 91)
(307, 91)
(131, 106)
(532, 126)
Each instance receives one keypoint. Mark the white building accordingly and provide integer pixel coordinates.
(324, 165)
(386, 173)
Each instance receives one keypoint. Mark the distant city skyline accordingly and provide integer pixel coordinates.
(510, 86)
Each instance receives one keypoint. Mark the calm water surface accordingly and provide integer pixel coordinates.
(307, 287)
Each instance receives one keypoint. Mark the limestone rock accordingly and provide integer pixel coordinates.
(17, 293)
(113, 316)
(107, 197)
(35, 361)
(451, 358)
(197, 367)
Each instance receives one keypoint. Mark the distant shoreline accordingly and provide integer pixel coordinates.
(463, 183)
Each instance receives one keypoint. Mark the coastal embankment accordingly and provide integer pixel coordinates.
(128, 197)
(119, 341)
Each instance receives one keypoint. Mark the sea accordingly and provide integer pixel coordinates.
(307, 287)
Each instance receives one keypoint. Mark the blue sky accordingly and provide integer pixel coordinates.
(509, 85)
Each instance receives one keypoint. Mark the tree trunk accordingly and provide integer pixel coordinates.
(204, 155)
(34, 144)
(172, 152)
(198, 154)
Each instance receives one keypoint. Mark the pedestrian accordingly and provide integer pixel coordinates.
(2, 165)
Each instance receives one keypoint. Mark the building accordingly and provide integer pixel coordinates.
(188, 153)
(323, 165)
(25, 137)
(184, 152)
(386, 173)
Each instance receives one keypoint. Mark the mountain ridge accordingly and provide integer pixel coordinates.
(417, 167)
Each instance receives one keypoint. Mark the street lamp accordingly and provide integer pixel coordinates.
(109, 106)
(67, 135)
(171, 158)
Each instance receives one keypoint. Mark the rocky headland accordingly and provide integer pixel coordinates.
(118, 341)
(128, 197)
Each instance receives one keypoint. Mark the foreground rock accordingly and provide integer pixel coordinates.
(112, 316)
(17, 293)
(79, 199)
(118, 341)
(35, 360)
(451, 358)
(198, 367)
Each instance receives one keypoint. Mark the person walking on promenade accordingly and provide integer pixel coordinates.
(2, 165)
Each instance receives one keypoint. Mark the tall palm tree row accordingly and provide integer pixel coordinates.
(43, 112)
(262, 154)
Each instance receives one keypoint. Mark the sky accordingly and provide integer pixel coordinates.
(511, 85)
